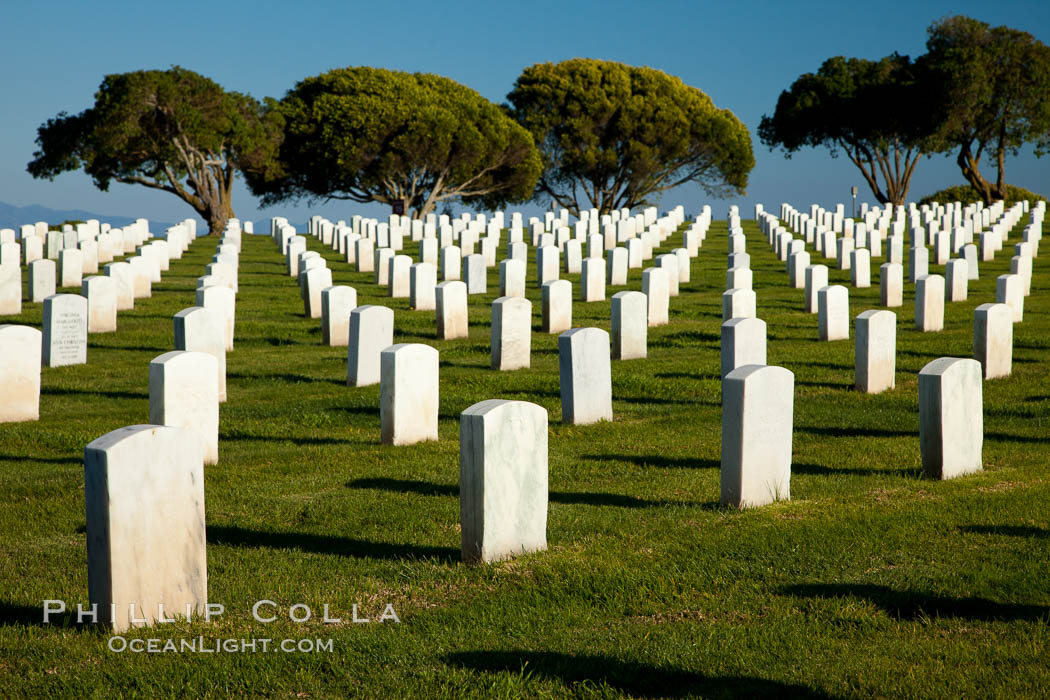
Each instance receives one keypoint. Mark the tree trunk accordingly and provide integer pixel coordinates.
(217, 215)
(970, 170)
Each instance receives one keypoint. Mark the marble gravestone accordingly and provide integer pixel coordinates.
(929, 303)
(502, 480)
(743, 343)
(451, 311)
(144, 502)
(556, 306)
(511, 334)
(10, 289)
(101, 295)
(371, 332)
(630, 325)
(336, 304)
(184, 393)
(993, 339)
(655, 288)
(757, 427)
(408, 393)
(585, 376)
(65, 330)
(20, 348)
(833, 313)
(875, 351)
(422, 284)
(223, 301)
(41, 280)
(198, 329)
(951, 417)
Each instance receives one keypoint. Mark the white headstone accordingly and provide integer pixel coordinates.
(875, 356)
(65, 330)
(336, 304)
(144, 500)
(957, 279)
(630, 325)
(993, 339)
(451, 312)
(929, 303)
(198, 329)
(511, 338)
(586, 376)
(502, 480)
(833, 313)
(592, 280)
(224, 302)
(951, 417)
(556, 306)
(757, 424)
(10, 289)
(408, 394)
(743, 343)
(184, 393)
(738, 303)
(1009, 290)
(422, 283)
(816, 279)
(20, 348)
(101, 295)
(654, 286)
(371, 332)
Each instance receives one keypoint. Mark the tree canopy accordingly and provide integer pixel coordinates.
(873, 111)
(410, 140)
(992, 93)
(618, 135)
(172, 130)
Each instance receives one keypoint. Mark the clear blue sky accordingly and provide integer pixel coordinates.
(742, 54)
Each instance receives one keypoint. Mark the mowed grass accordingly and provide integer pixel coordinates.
(871, 581)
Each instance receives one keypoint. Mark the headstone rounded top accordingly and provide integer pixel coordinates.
(951, 365)
(586, 333)
(876, 314)
(745, 321)
(767, 371)
(493, 406)
(131, 435)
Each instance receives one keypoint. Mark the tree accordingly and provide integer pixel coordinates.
(874, 111)
(171, 130)
(410, 140)
(617, 135)
(992, 95)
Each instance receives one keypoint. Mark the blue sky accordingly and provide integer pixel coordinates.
(742, 54)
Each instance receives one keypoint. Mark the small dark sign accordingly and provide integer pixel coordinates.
(398, 207)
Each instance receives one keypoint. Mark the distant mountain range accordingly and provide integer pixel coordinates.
(13, 217)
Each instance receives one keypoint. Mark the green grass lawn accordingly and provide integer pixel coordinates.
(871, 581)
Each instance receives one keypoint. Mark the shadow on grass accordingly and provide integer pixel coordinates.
(295, 440)
(1006, 437)
(1008, 530)
(659, 461)
(854, 432)
(820, 470)
(62, 391)
(287, 377)
(426, 488)
(825, 365)
(825, 384)
(233, 536)
(42, 460)
(628, 677)
(13, 614)
(912, 605)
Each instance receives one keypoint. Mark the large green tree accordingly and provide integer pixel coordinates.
(410, 140)
(873, 111)
(172, 130)
(614, 135)
(992, 95)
